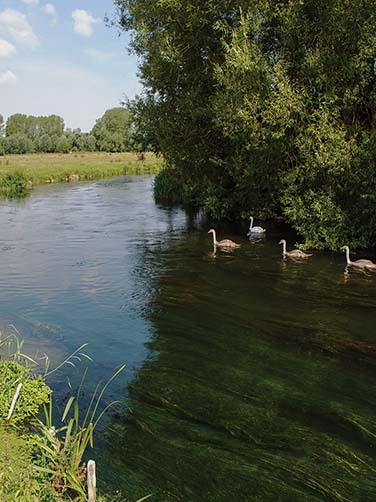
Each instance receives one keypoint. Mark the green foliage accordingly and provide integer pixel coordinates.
(44, 144)
(113, 131)
(18, 143)
(168, 188)
(62, 449)
(34, 127)
(89, 143)
(54, 168)
(16, 473)
(64, 144)
(34, 392)
(38, 461)
(13, 184)
(264, 108)
(19, 480)
(24, 134)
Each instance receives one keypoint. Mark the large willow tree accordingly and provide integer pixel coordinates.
(265, 107)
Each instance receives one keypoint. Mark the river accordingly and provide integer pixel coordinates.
(248, 377)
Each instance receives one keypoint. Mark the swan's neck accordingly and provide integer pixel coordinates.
(284, 247)
(251, 224)
(348, 256)
(214, 238)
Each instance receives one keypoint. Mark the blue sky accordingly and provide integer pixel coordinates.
(59, 57)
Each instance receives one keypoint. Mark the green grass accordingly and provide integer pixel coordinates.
(16, 473)
(56, 168)
(38, 462)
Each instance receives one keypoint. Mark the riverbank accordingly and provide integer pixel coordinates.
(42, 459)
(59, 167)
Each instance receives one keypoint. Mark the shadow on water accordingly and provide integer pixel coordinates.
(259, 384)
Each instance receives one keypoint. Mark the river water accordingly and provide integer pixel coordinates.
(248, 377)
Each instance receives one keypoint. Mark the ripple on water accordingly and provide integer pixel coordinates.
(250, 377)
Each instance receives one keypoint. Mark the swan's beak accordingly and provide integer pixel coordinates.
(342, 248)
(280, 242)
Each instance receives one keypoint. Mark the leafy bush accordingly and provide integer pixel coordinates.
(18, 143)
(167, 187)
(13, 184)
(34, 392)
(64, 144)
(170, 189)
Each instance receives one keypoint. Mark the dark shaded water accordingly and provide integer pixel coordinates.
(249, 377)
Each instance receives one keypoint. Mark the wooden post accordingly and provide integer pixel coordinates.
(91, 480)
(14, 400)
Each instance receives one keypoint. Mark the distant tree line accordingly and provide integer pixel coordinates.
(28, 134)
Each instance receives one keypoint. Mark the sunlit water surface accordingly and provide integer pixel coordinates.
(248, 377)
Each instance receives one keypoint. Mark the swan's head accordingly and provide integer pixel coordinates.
(211, 231)
(343, 248)
(281, 241)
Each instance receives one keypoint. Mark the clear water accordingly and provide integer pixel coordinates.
(249, 377)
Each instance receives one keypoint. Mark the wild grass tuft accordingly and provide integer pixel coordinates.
(63, 448)
(42, 458)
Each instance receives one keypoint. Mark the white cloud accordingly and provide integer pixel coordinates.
(83, 22)
(50, 10)
(8, 77)
(16, 24)
(6, 49)
(83, 94)
(31, 2)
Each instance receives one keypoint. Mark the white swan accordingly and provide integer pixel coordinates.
(254, 230)
(295, 253)
(225, 243)
(368, 264)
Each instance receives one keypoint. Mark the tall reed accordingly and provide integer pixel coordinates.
(63, 448)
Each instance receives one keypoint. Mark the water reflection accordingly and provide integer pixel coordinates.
(250, 377)
(259, 384)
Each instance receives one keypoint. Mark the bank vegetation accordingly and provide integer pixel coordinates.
(43, 456)
(263, 107)
(18, 173)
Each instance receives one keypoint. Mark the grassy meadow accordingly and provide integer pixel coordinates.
(56, 167)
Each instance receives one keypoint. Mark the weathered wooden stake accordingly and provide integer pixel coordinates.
(14, 400)
(91, 480)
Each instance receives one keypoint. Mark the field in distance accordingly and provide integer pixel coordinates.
(40, 168)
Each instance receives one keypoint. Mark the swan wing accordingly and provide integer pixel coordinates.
(297, 253)
(228, 243)
(364, 263)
